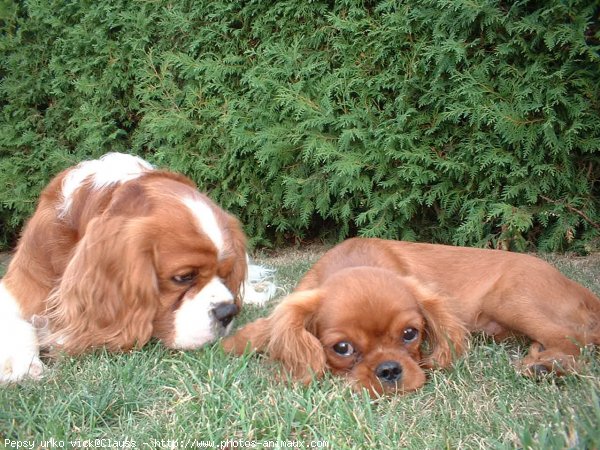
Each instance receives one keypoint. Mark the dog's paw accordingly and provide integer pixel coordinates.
(19, 352)
(542, 362)
(18, 367)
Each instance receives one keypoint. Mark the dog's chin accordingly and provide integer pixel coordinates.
(362, 377)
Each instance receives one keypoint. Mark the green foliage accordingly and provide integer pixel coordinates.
(467, 122)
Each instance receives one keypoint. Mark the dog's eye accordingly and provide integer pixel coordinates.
(343, 348)
(185, 278)
(410, 334)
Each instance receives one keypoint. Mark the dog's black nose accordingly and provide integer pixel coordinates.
(225, 312)
(389, 371)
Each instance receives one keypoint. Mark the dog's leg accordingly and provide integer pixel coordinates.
(19, 348)
(542, 361)
(555, 347)
(559, 316)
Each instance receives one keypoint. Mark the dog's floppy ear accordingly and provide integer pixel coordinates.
(446, 334)
(108, 294)
(287, 335)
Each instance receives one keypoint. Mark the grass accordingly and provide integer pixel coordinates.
(162, 398)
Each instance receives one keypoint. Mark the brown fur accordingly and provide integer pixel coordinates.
(368, 291)
(101, 273)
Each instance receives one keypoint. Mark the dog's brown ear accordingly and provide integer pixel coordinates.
(287, 335)
(254, 336)
(446, 334)
(108, 295)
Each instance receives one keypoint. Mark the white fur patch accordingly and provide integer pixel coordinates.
(195, 324)
(110, 169)
(206, 221)
(19, 349)
(258, 286)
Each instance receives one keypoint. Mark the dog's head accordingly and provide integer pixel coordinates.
(162, 260)
(370, 324)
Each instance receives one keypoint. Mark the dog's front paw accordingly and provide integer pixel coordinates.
(17, 367)
(19, 352)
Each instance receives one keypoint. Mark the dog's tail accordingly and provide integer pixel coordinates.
(258, 287)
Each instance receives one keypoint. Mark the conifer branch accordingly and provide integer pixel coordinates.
(580, 213)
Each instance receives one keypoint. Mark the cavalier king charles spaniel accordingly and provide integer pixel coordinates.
(380, 311)
(117, 253)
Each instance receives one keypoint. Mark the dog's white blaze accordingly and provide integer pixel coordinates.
(110, 169)
(19, 349)
(195, 324)
(207, 221)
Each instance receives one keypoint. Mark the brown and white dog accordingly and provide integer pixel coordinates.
(116, 253)
(366, 308)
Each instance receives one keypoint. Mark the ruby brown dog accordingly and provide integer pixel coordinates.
(117, 253)
(368, 306)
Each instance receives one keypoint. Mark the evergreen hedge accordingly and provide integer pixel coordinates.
(441, 120)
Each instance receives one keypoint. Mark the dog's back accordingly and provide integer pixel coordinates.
(485, 285)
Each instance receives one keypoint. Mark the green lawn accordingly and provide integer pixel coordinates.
(157, 398)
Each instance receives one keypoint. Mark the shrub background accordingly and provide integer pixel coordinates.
(465, 122)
